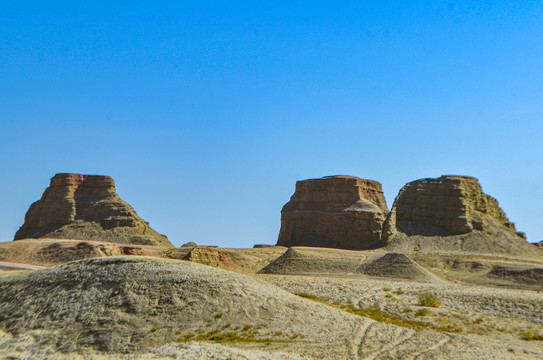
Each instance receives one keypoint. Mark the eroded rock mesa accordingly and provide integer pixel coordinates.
(447, 214)
(343, 212)
(86, 207)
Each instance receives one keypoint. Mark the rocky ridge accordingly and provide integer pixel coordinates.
(336, 211)
(86, 207)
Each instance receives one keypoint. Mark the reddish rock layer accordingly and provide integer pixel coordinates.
(337, 211)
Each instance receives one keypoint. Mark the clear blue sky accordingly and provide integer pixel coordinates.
(207, 113)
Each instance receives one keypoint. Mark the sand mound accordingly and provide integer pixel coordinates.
(396, 265)
(317, 261)
(304, 260)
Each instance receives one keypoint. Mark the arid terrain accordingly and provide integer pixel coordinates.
(444, 282)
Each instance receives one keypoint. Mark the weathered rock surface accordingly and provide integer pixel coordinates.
(128, 307)
(336, 211)
(86, 207)
(539, 244)
(450, 213)
(189, 244)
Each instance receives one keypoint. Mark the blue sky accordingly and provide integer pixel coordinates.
(207, 113)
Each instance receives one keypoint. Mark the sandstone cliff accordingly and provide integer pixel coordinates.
(450, 213)
(86, 207)
(336, 211)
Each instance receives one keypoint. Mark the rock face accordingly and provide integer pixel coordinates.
(86, 207)
(449, 213)
(343, 212)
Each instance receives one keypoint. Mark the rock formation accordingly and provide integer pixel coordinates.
(450, 213)
(335, 211)
(86, 207)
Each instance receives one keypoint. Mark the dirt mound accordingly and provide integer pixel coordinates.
(518, 274)
(396, 265)
(301, 260)
(317, 261)
(86, 207)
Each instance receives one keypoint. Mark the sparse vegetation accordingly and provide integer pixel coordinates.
(428, 299)
(230, 336)
(386, 289)
(154, 329)
(378, 315)
(531, 335)
(399, 292)
(422, 312)
(218, 316)
(389, 296)
(450, 328)
(307, 296)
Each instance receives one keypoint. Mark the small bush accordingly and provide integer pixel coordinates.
(388, 296)
(154, 328)
(218, 316)
(386, 289)
(428, 299)
(399, 292)
(422, 312)
(451, 328)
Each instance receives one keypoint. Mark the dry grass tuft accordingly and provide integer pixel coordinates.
(429, 299)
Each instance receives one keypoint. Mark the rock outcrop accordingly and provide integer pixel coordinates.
(450, 213)
(86, 207)
(343, 212)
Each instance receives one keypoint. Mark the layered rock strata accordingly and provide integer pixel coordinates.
(343, 212)
(450, 213)
(86, 207)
